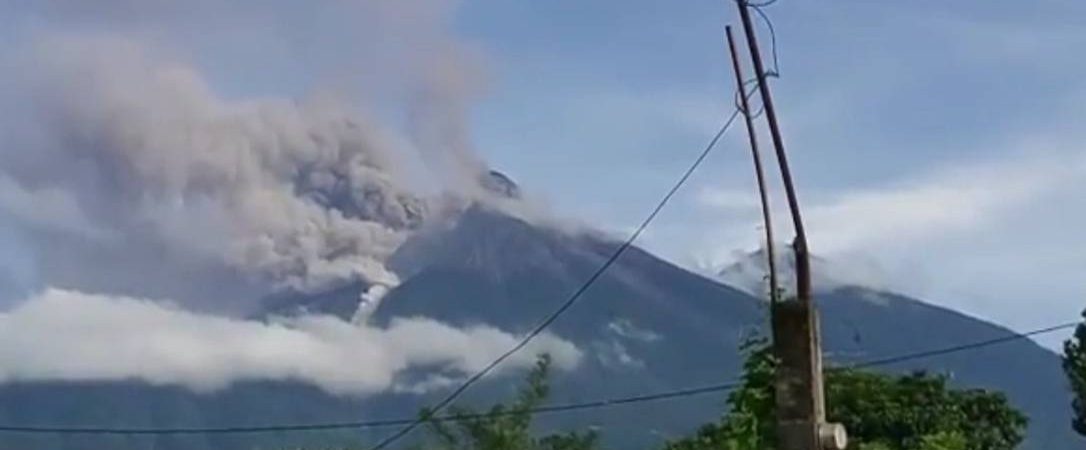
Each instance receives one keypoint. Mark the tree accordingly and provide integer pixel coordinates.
(919, 411)
(944, 441)
(1074, 365)
(506, 427)
(938, 441)
(881, 412)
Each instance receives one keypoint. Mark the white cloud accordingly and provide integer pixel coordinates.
(950, 201)
(625, 328)
(73, 336)
(983, 237)
(612, 353)
(954, 200)
(749, 273)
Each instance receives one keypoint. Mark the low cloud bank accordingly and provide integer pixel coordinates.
(62, 335)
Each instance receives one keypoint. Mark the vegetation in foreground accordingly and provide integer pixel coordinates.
(1074, 365)
(918, 411)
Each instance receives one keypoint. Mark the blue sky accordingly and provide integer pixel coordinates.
(921, 134)
(937, 144)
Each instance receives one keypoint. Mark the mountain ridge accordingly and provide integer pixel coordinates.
(646, 325)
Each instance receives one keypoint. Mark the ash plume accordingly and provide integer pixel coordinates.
(299, 193)
(147, 165)
(143, 195)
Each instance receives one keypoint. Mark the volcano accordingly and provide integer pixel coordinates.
(644, 326)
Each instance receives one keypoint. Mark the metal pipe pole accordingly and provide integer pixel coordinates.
(759, 173)
(803, 265)
(798, 385)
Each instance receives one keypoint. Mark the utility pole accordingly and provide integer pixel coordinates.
(800, 398)
(759, 173)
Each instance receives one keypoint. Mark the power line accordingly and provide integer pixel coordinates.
(376, 423)
(535, 332)
(565, 306)
(762, 4)
(758, 8)
(576, 294)
(739, 101)
(584, 287)
(596, 404)
(963, 347)
(411, 424)
(776, 72)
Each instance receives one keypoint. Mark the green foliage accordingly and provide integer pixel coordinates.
(944, 441)
(906, 411)
(937, 441)
(881, 412)
(506, 427)
(1074, 365)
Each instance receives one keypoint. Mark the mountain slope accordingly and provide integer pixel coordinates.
(861, 324)
(645, 326)
(495, 269)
